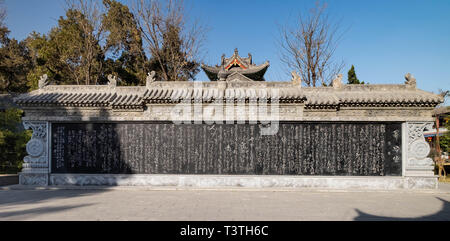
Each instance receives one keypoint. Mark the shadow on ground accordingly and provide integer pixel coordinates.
(22, 197)
(39, 211)
(441, 215)
(14, 199)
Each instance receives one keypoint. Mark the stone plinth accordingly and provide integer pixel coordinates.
(214, 181)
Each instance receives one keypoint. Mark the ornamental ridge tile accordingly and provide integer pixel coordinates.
(136, 97)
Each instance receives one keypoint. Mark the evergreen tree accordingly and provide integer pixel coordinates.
(14, 61)
(127, 58)
(14, 65)
(444, 141)
(3, 29)
(92, 41)
(172, 60)
(71, 53)
(352, 79)
(63, 55)
(13, 141)
(172, 42)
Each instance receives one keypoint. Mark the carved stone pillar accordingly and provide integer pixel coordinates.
(417, 161)
(36, 165)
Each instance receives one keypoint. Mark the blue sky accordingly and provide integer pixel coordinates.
(385, 40)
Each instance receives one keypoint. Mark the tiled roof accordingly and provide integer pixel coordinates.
(174, 92)
(66, 99)
(127, 101)
(160, 95)
(403, 98)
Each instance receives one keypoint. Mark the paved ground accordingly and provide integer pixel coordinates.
(236, 204)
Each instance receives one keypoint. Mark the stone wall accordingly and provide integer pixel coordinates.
(237, 102)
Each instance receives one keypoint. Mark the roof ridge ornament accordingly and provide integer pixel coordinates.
(112, 80)
(296, 79)
(410, 80)
(150, 79)
(222, 75)
(43, 81)
(337, 82)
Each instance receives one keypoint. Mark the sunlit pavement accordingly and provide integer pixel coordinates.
(221, 204)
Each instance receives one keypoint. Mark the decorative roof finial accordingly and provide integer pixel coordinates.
(337, 82)
(43, 81)
(112, 80)
(222, 75)
(222, 60)
(410, 80)
(236, 52)
(150, 78)
(296, 79)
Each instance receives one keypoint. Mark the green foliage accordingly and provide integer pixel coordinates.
(124, 42)
(173, 61)
(352, 79)
(84, 49)
(13, 141)
(444, 141)
(10, 120)
(3, 30)
(172, 46)
(66, 55)
(14, 64)
(14, 60)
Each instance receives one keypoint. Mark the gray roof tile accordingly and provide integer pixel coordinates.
(137, 97)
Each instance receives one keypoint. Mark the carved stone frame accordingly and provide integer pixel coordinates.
(36, 164)
(417, 162)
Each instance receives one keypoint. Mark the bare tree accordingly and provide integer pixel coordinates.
(309, 45)
(171, 41)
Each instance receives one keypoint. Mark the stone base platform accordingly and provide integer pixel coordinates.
(216, 181)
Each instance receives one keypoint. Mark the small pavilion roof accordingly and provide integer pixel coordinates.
(234, 64)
